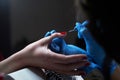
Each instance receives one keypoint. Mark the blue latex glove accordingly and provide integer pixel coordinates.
(60, 46)
(92, 47)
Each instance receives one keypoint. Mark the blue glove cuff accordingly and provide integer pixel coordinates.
(113, 66)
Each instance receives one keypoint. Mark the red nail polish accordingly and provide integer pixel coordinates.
(63, 33)
(87, 64)
(1, 76)
(82, 73)
(84, 58)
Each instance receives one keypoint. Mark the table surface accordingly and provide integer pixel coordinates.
(32, 74)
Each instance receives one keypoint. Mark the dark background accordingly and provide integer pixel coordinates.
(5, 27)
(25, 21)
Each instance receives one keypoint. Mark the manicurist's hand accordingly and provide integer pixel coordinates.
(93, 48)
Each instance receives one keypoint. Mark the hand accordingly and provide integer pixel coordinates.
(60, 46)
(93, 48)
(91, 45)
(37, 54)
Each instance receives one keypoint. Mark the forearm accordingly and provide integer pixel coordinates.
(11, 64)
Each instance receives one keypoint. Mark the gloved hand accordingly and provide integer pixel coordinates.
(60, 46)
(92, 47)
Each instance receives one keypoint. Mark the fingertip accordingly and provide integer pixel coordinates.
(63, 33)
(85, 23)
(82, 73)
(59, 34)
(1, 76)
(84, 56)
(87, 63)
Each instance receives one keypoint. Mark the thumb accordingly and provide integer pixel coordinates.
(48, 39)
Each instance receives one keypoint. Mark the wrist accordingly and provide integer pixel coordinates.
(115, 75)
(11, 64)
(113, 66)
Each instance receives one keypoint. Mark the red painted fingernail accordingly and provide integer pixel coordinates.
(63, 33)
(1, 76)
(84, 58)
(87, 64)
(83, 73)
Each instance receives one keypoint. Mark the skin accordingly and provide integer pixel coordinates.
(37, 54)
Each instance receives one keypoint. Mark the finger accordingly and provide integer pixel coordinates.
(72, 58)
(72, 66)
(59, 58)
(49, 33)
(77, 65)
(81, 28)
(72, 72)
(64, 70)
(85, 23)
(48, 39)
(67, 68)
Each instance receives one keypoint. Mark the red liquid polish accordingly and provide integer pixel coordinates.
(1, 76)
(63, 33)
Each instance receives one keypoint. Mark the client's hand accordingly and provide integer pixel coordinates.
(37, 54)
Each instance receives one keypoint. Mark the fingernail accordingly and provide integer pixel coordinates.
(63, 33)
(83, 73)
(87, 64)
(84, 58)
(1, 76)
